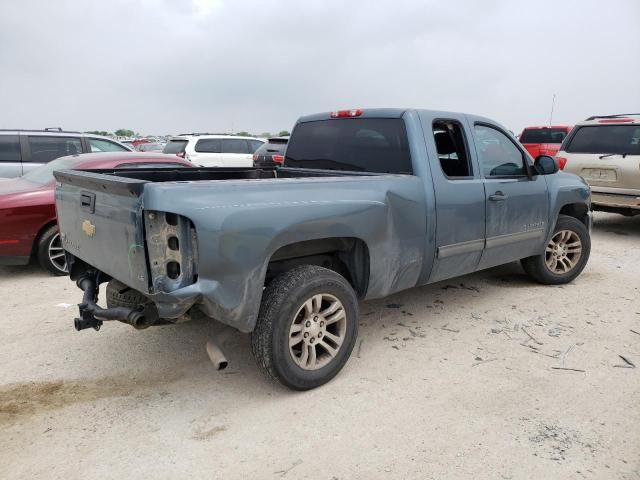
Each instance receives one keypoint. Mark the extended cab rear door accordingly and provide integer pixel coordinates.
(516, 202)
(459, 194)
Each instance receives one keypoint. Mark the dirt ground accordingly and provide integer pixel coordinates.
(457, 380)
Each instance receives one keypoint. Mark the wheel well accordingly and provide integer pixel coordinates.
(344, 255)
(36, 239)
(576, 210)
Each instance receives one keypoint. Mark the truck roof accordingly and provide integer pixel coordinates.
(387, 113)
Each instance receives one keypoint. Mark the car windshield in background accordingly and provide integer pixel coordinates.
(352, 144)
(151, 147)
(175, 146)
(543, 135)
(606, 139)
(275, 147)
(44, 174)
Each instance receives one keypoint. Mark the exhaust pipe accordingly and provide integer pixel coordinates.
(216, 356)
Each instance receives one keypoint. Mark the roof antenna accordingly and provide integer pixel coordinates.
(553, 102)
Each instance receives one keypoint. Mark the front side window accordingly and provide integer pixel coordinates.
(235, 145)
(44, 149)
(10, 148)
(606, 139)
(377, 145)
(452, 149)
(99, 145)
(208, 145)
(498, 155)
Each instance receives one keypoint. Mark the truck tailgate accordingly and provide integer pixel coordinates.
(101, 220)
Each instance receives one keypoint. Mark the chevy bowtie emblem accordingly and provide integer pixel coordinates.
(88, 228)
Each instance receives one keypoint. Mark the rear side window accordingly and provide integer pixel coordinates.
(10, 148)
(452, 149)
(44, 149)
(99, 145)
(543, 135)
(175, 146)
(208, 145)
(605, 139)
(352, 144)
(235, 145)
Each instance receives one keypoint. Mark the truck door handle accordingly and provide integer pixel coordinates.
(498, 197)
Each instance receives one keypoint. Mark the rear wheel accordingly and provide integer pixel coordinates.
(50, 252)
(565, 255)
(307, 327)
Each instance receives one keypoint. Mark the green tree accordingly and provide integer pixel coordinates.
(244, 134)
(123, 132)
(264, 135)
(284, 133)
(99, 132)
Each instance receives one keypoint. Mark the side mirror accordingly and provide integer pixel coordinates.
(545, 165)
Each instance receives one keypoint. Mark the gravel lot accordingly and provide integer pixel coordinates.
(456, 380)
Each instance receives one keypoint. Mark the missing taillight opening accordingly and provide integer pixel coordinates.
(173, 243)
(173, 270)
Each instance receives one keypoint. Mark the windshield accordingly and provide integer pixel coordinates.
(355, 144)
(175, 146)
(606, 139)
(271, 147)
(543, 135)
(44, 174)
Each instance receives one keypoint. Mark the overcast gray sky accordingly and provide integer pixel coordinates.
(171, 66)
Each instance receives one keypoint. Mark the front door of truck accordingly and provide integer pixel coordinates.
(459, 194)
(517, 203)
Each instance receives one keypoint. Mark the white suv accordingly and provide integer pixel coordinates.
(605, 151)
(214, 150)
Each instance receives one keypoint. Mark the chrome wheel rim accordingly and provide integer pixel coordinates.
(563, 252)
(317, 331)
(56, 253)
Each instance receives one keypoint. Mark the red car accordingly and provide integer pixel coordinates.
(27, 208)
(544, 140)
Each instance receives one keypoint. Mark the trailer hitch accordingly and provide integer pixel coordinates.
(93, 315)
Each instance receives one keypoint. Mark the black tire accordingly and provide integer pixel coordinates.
(119, 295)
(282, 299)
(50, 235)
(536, 266)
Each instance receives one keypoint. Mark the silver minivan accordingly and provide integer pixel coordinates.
(24, 150)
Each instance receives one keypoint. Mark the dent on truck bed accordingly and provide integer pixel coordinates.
(236, 244)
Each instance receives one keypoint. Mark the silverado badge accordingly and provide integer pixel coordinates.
(88, 228)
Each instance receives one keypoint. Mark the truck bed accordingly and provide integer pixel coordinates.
(132, 181)
(206, 236)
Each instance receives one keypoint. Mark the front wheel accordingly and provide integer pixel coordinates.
(307, 327)
(565, 255)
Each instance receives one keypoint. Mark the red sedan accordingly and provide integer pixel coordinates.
(28, 228)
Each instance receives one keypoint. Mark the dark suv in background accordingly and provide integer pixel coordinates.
(24, 150)
(271, 153)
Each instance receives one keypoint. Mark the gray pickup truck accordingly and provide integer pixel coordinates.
(368, 203)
